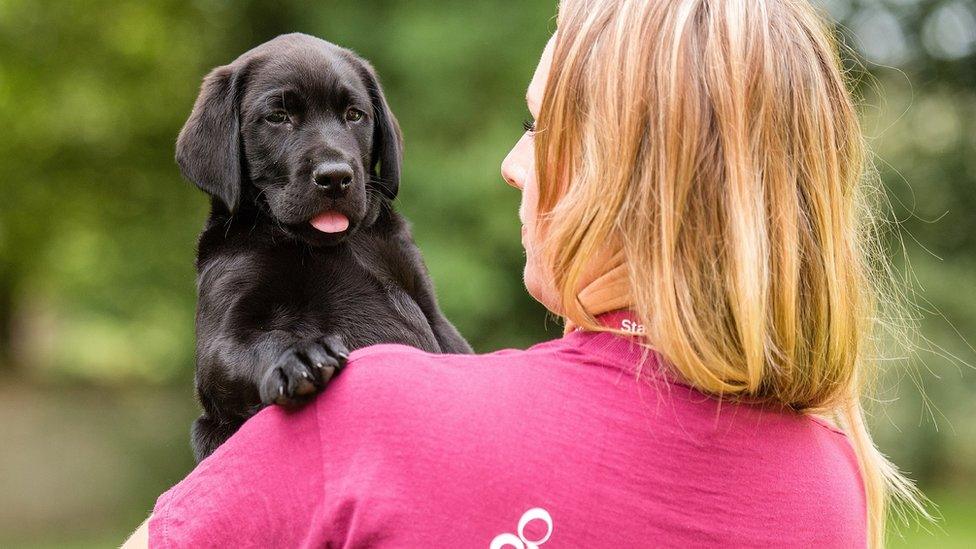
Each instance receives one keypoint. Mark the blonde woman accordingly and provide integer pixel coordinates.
(691, 207)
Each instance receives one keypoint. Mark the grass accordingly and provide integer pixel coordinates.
(955, 529)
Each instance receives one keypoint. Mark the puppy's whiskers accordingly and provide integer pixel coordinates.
(386, 203)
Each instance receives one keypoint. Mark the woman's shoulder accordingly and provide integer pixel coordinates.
(399, 363)
(408, 374)
(379, 355)
(374, 354)
(434, 399)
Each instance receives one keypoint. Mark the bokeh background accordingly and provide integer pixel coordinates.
(97, 229)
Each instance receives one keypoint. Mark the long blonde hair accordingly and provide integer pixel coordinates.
(717, 143)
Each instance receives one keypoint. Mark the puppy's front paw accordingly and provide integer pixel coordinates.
(303, 370)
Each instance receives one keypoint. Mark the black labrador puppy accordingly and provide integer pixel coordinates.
(303, 257)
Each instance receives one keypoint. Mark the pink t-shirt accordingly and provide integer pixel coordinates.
(555, 446)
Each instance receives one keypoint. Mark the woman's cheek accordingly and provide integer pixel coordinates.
(538, 281)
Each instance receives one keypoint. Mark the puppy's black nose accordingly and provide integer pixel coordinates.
(334, 178)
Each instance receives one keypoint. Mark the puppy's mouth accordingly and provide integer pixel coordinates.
(330, 222)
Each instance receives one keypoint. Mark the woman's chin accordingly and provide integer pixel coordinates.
(541, 290)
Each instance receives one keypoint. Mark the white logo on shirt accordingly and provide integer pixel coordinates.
(520, 541)
(628, 325)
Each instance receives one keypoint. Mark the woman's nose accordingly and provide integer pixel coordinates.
(513, 174)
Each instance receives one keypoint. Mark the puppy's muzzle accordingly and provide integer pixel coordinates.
(334, 178)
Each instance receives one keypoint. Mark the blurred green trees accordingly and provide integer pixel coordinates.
(97, 229)
(919, 105)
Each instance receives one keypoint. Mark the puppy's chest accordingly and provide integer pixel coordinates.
(367, 303)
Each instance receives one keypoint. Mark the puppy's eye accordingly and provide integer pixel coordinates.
(277, 117)
(354, 115)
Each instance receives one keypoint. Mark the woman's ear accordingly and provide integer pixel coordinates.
(208, 148)
(387, 152)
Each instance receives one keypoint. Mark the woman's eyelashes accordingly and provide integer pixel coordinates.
(528, 125)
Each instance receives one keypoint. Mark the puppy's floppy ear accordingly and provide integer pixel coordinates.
(208, 148)
(387, 139)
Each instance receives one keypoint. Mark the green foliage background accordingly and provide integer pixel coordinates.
(97, 229)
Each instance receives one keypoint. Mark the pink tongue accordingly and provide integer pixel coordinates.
(330, 222)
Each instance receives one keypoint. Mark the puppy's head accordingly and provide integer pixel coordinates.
(300, 128)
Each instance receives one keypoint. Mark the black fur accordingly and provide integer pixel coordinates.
(280, 304)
